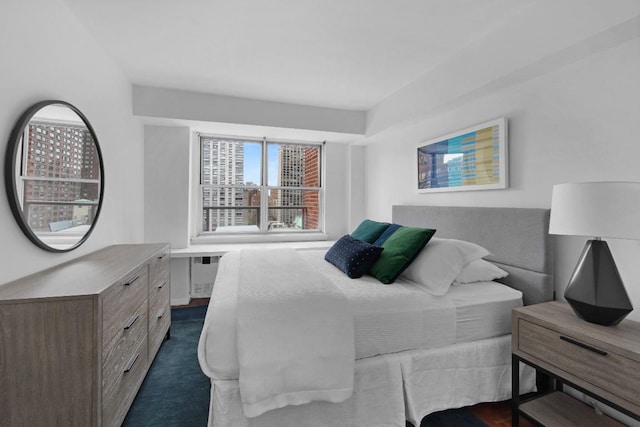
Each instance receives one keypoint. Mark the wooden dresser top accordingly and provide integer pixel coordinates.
(87, 275)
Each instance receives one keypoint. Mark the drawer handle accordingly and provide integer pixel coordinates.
(161, 313)
(162, 256)
(131, 363)
(131, 321)
(130, 282)
(162, 285)
(583, 345)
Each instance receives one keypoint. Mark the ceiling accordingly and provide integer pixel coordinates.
(394, 57)
(348, 54)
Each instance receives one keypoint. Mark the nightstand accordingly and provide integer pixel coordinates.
(600, 361)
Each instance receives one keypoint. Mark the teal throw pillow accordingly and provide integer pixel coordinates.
(400, 249)
(386, 234)
(369, 231)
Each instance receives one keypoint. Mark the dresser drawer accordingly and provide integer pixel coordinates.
(121, 301)
(122, 348)
(115, 403)
(607, 370)
(159, 270)
(159, 295)
(159, 322)
(159, 300)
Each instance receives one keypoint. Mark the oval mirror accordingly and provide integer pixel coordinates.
(54, 175)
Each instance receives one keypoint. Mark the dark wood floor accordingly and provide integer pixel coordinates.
(194, 302)
(496, 414)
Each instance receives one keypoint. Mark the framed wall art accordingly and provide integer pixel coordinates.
(474, 158)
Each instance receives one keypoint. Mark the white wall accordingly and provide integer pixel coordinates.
(47, 54)
(356, 187)
(168, 171)
(185, 105)
(336, 190)
(571, 118)
(167, 185)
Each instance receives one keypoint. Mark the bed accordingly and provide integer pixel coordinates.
(413, 353)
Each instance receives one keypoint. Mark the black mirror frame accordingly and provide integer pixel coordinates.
(9, 174)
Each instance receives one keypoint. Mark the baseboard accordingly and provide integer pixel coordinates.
(180, 301)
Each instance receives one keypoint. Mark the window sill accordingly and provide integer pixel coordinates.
(219, 245)
(259, 238)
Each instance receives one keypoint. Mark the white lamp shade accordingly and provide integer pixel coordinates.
(596, 209)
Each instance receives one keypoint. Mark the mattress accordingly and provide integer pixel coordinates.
(483, 309)
(387, 318)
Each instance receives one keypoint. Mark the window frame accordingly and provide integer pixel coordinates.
(263, 233)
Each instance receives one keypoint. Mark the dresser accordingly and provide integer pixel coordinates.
(603, 362)
(77, 339)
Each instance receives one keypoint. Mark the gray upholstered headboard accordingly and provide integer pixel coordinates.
(517, 238)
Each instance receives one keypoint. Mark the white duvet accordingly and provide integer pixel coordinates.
(386, 318)
(294, 333)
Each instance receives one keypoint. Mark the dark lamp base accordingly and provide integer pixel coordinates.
(595, 291)
(601, 315)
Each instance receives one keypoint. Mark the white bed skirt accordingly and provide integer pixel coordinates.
(392, 388)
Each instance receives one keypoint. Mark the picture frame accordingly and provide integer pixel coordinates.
(474, 158)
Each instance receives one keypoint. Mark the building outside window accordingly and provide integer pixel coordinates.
(60, 185)
(259, 186)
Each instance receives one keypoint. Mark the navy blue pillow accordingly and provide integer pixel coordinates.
(386, 234)
(352, 256)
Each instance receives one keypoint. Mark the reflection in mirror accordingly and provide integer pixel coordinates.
(57, 175)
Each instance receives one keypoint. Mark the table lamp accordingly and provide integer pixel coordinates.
(597, 209)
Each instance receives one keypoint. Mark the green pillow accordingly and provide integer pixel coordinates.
(369, 231)
(400, 249)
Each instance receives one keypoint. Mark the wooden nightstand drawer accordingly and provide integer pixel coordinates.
(602, 362)
(584, 359)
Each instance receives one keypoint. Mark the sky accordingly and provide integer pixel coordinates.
(252, 163)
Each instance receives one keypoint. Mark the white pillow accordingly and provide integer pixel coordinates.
(440, 262)
(480, 271)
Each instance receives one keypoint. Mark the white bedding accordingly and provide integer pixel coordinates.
(483, 309)
(392, 388)
(387, 318)
(284, 362)
(416, 353)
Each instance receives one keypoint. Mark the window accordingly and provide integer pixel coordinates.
(259, 186)
(67, 193)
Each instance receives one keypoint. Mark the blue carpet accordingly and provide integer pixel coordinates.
(188, 313)
(462, 417)
(176, 392)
